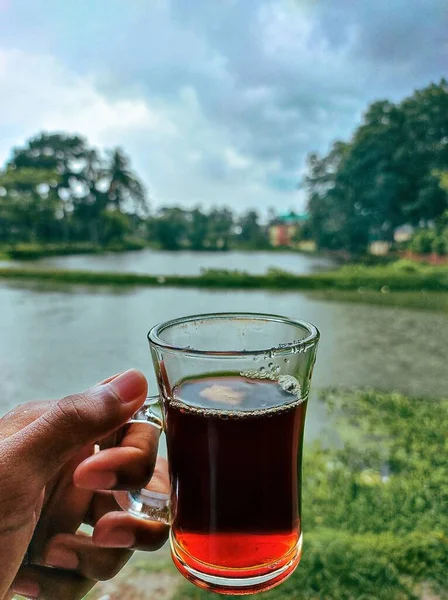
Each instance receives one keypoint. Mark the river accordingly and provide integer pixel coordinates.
(181, 263)
(56, 339)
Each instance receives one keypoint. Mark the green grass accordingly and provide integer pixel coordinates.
(359, 278)
(433, 301)
(374, 511)
(27, 251)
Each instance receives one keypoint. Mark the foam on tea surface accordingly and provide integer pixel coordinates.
(237, 395)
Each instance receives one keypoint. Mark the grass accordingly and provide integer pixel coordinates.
(28, 251)
(375, 516)
(360, 278)
(433, 301)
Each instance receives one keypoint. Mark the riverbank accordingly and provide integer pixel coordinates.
(422, 300)
(36, 251)
(373, 511)
(391, 278)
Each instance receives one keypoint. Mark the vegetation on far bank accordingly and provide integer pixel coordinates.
(395, 277)
(420, 300)
(35, 251)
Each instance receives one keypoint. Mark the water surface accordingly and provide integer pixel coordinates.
(181, 263)
(55, 340)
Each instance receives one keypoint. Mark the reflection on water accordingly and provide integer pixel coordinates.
(56, 340)
(181, 263)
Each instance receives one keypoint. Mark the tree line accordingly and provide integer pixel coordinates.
(392, 172)
(58, 189)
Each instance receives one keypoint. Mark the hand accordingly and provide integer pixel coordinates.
(50, 477)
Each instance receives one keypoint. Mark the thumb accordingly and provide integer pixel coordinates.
(76, 421)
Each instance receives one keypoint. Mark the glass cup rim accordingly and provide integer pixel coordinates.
(282, 349)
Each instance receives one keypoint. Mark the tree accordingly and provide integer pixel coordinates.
(336, 221)
(386, 176)
(252, 234)
(86, 186)
(198, 229)
(114, 226)
(170, 228)
(220, 223)
(60, 153)
(29, 205)
(123, 185)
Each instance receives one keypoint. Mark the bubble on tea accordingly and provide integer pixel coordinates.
(289, 384)
(223, 394)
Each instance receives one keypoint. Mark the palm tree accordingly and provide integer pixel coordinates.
(124, 185)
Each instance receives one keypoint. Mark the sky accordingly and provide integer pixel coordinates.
(217, 102)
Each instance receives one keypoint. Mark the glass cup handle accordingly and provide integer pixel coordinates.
(145, 504)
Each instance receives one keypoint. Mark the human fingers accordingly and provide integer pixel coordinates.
(79, 553)
(50, 584)
(129, 466)
(46, 444)
(104, 502)
(120, 529)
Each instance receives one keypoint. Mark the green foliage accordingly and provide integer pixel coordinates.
(177, 228)
(123, 185)
(440, 244)
(422, 242)
(375, 516)
(28, 203)
(58, 189)
(115, 226)
(392, 172)
(170, 228)
(393, 278)
(426, 241)
(252, 235)
(33, 251)
(432, 301)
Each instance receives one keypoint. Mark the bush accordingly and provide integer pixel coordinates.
(422, 241)
(35, 251)
(440, 244)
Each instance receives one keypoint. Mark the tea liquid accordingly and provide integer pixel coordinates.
(234, 446)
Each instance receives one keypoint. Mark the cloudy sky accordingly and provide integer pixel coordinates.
(216, 101)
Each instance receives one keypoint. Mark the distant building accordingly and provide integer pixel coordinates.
(379, 248)
(403, 233)
(285, 229)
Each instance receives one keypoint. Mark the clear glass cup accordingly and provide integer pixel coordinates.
(233, 390)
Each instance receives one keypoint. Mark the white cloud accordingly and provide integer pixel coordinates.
(182, 156)
(216, 102)
(38, 93)
(235, 160)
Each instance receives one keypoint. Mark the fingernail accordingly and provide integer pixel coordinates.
(25, 587)
(129, 385)
(98, 481)
(108, 379)
(117, 538)
(62, 558)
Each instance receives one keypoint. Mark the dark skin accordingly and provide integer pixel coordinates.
(52, 481)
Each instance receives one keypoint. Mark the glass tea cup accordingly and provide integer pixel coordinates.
(233, 391)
